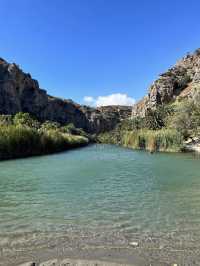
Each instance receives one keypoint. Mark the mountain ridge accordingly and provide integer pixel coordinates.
(19, 92)
(183, 76)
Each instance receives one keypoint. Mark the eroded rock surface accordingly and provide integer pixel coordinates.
(19, 92)
(178, 80)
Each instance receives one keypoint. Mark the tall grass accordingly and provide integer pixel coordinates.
(19, 141)
(153, 140)
(110, 137)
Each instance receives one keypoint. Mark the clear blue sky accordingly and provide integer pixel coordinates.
(97, 47)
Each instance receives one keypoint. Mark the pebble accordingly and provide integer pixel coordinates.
(134, 244)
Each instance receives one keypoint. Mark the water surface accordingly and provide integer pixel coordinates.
(103, 190)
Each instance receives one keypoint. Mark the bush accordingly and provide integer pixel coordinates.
(132, 124)
(157, 118)
(70, 128)
(186, 118)
(49, 125)
(6, 120)
(25, 120)
(24, 137)
(154, 119)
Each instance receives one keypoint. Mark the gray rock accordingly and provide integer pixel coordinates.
(20, 93)
(171, 84)
(134, 244)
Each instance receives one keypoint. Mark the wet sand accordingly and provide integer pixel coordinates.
(71, 262)
(98, 256)
(91, 252)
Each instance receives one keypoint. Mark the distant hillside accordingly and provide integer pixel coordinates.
(20, 93)
(168, 117)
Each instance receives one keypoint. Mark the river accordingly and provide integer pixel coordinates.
(101, 196)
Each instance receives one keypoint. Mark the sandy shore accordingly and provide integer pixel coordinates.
(99, 249)
(100, 256)
(71, 262)
(84, 257)
(92, 251)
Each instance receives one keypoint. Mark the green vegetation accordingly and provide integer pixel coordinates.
(158, 140)
(186, 118)
(152, 140)
(162, 129)
(22, 136)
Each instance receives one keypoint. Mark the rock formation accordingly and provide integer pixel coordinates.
(20, 93)
(177, 81)
(105, 118)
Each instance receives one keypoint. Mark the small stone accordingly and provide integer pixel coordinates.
(188, 141)
(134, 244)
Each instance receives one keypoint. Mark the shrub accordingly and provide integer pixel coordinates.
(6, 120)
(25, 120)
(133, 123)
(70, 128)
(186, 118)
(49, 125)
(157, 118)
(25, 137)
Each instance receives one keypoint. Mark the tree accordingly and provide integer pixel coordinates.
(157, 118)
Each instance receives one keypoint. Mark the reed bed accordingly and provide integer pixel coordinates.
(153, 140)
(19, 141)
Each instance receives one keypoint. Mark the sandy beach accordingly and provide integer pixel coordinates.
(73, 262)
(154, 252)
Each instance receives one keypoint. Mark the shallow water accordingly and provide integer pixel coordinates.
(102, 190)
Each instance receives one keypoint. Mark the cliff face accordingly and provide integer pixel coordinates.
(20, 93)
(105, 118)
(177, 81)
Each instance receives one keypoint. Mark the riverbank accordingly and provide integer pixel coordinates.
(88, 251)
(73, 262)
(23, 136)
(20, 142)
(163, 140)
(96, 256)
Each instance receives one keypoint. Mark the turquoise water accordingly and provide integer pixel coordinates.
(101, 188)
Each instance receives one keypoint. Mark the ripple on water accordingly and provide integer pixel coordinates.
(101, 193)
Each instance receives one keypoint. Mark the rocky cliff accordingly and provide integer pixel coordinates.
(178, 81)
(20, 93)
